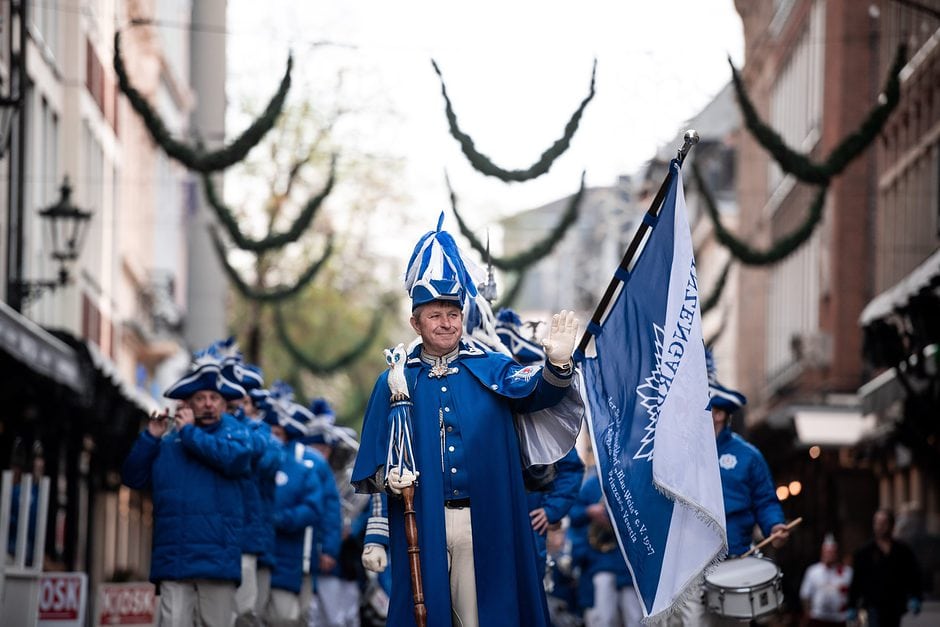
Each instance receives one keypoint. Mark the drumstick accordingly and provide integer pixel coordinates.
(790, 525)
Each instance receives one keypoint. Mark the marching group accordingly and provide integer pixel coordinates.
(249, 523)
(253, 525)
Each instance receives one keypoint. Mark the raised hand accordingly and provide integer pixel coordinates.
(561, 339)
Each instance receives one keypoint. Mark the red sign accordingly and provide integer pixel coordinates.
(127, 604)
(62, 598)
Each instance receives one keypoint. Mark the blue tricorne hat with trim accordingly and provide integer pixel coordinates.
(205, 374)
(234, 367)
(509, 331)
(286, 413)
(725, 398)
(438, 271)
(320, 427)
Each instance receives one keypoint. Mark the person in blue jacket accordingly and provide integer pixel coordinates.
(605, 589)
(747, 489)
(257, 542)
(330, 602)
(746, 485)
(548, 507)
(477, 552)
(193, 471)
(298, 496)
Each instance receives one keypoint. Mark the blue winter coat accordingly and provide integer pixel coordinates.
(198, 512)
(590, 559)
(748, 491)
(266, 453)
(297, 506)
(558, 498)
(328, 534)
(481, 396)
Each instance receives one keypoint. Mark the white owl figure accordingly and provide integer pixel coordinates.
(397, 385)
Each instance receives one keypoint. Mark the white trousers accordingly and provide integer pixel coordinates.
(202, 602)
(283, 607)
(613, 607)
(264, 590)
(463, 584)
(336, 603)
(246, 595)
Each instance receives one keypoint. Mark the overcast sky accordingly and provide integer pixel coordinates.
(515, 72)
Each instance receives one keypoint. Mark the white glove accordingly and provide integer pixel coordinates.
(561, 338)
(374, 557)
(397, 482)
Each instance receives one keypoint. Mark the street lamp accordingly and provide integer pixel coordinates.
(68, 226)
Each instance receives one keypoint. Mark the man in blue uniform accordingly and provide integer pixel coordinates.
(297, 505)
(257, 541)
(477, 553)
(747, 489)
(746, 484)
(194, 472)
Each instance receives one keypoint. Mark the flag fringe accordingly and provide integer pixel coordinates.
(694, 585)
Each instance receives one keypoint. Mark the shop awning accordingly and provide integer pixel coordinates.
(108, 370)
(925, 276)
(831, 426)
(37, 349)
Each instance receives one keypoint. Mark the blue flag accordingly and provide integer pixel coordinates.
(647, 396)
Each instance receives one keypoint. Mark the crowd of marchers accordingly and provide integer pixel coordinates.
(252, 524)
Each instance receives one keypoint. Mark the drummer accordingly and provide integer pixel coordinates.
(748, 491)
(746, 484)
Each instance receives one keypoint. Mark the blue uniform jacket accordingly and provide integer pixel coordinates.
(558, 499)
(198, 512)
(590, 559)
(328, 532)
(748, 491)
(477, 400)
(266, 453)
(298, 494)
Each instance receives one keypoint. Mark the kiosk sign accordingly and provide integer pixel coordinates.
(62, 599)
(126, 604)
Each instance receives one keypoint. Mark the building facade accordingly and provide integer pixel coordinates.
(814, 70)
(90, 358)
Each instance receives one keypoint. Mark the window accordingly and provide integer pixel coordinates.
(797, 96)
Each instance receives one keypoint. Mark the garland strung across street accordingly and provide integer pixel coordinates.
(485, 165)
(712, 299)
(339, 362)
(799, 164)
(198, 159)
(273, 294)
(275, 240)
(539, 250)
(781, 249)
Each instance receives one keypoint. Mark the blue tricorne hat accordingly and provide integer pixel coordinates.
(508, 330)
(725, 398)
(205, 376)
(290, 416)
(438, 271)
(234, 367)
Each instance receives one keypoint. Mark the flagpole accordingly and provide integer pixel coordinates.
(689, 139)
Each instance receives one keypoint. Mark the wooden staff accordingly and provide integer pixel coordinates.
(414, 553)
(790, 525)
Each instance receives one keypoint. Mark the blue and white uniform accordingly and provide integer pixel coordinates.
(466, 447)
(748, 491)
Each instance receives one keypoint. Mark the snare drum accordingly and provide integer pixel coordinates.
(746, 587)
